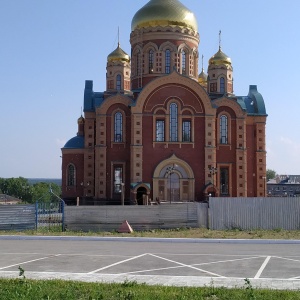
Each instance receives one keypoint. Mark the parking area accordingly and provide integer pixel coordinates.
(154, 261)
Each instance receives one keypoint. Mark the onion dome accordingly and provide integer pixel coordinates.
(202, 78)
(220, 58)
(80, 120)
(118, 55)
(164, 13)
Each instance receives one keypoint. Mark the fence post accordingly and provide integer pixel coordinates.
(36, 214)
(62, 215)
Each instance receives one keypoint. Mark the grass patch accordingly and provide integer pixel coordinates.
(19, 289)
(172, 233)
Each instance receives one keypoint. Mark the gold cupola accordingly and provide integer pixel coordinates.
(80, 123)
(220, 58)
(118, 72)
(202, 78)
(118, 55)
(220, 73)
(164, 13)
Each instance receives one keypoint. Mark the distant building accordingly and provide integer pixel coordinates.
(284, 186)
(160, 129)
(9, 200)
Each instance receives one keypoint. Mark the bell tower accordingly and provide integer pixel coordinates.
(220, 73)
(118, 72)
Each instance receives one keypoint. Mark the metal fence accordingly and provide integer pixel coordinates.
(17, 217)
(254, 213)
(220, 214)
(32, 216)
(50, 214)
(110, 218)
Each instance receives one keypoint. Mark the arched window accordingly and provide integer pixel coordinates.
(173, 122)
(222, 85)
(71, 179)
(118, 138)
(183, 62)
(151, 61)
(223, 129)
(118, 82)
(168, 61)
(138, 65)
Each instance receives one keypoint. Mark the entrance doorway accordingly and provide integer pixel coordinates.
(141, 193)
(173, 188)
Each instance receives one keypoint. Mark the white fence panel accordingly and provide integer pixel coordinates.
(254, 213)
(139, 217)
(17, 217)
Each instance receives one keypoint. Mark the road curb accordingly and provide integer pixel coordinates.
(146, 239)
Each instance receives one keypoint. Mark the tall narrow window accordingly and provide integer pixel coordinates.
(173, 122)
(160, 130)
(222, 85)
(186, 131)
(118, 179)
(118, 128)
(223, 129)
(138, 65)
(224, 181)
(71, 175)
(118, 82)
(151, 61)
(168, 61)
(183, 62)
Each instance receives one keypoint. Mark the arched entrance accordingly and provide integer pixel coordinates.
(210, 191)
(173, 181)
(141, 194)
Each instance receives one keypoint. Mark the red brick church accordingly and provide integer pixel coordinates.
(160, 128)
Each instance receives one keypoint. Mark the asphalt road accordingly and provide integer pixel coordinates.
(182, 262)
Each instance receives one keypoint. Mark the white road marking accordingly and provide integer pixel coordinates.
(225, 261)
(188, 266)
(29, 261)
(293, 278)
(286, 258)
(117, 263)
(262, 267)
(193, 265)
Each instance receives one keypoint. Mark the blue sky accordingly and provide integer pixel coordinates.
(49, 48)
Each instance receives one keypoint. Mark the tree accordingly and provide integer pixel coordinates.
(16, 187)
(20, 188)
(41, 191)
(271, 174)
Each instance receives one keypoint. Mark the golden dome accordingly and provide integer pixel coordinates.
(202, 78)
(220, 58)
(118, 55)
(80, 120)
(164, 13)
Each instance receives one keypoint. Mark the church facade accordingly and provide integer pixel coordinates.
(160, 128)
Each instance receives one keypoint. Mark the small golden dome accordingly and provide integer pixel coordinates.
(202, 78)
(118, 55)
(164, 13)
(80, 120)
(220, 58)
